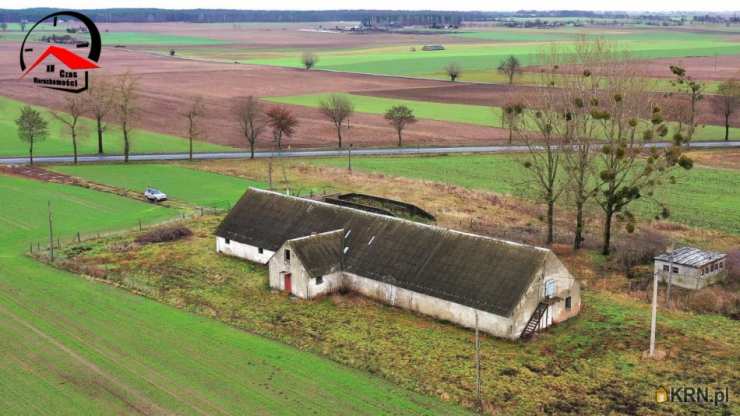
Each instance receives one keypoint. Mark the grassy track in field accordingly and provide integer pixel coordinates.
(71, 346)
(180, 183)
(455, 113)
(59, 143)
(699, 198)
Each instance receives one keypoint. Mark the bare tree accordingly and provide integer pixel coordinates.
(337, 108)
(453, 70)
(252, 120)
(32, 128)
(283, 124)
(400, 116)
(193, 115)
(100, 101)
(75, 105)
(309, 60)
(126, 108)
(512, 114)
(693, 89)
(727, 101)
(510, 67)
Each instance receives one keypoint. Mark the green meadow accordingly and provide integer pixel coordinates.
(456, 113)
(179, 183)
(59, 142)
(71, 346)
(699, 198)
(402, 60)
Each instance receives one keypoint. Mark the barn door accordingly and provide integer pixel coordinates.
(546, 319)
(287, 284)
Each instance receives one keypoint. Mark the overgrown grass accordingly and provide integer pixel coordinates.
(59, 142)
(700, 197)
(589, 365)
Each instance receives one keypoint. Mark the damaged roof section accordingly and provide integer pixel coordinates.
(690, 256)
(485, 273)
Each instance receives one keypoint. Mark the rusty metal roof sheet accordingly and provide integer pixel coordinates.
(690, 256)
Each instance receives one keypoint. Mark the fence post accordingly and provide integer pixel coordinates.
(140, 225)
(78, 237)
(31, 247)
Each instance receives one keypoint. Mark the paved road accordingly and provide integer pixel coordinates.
(314, 153)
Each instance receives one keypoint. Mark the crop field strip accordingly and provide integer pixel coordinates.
(89, 348)
(456, 113)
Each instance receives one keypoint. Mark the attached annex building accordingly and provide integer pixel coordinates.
(691, 268)
(314, 248)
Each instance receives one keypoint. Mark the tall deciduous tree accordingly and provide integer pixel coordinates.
(32, 128)
(193, 117)
(727, 101)
(75, 105)
(511, 118)
(100, 101)
(309, 60)
(252, 120)
(510, 67)
(126, 108)
(453, 70)
(282, 122)
(337, 108)
(400, 116)
(694, 91)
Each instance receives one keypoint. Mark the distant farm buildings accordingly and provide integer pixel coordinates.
(432, 48)
(314, 248)
(690, 267)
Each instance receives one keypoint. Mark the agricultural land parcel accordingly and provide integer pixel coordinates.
(72, 346)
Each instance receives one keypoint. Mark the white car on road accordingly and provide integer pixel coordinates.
(155, 195)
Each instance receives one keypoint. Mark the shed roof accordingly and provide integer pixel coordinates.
(485, 273)
(690, 256)
(319, 253)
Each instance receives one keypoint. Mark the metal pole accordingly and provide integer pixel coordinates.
(477, 363)
(349, 158)
(670, 280)
(654, 314)
(51, 234)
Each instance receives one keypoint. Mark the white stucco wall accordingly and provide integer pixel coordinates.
(302, 284)
(245, 251)
(689, 277)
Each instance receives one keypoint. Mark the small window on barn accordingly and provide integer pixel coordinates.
(260, 250)
(675, 269)
(568, 303)
(228, 241)
(721, 265)
(287, 256)
(320, 280)
(703, 270)
(665, 268)
(550, 288)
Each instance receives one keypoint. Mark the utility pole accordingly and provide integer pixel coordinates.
(477, 364)
(654, 314)
(51, 234)
(670, 279)
(349, 158)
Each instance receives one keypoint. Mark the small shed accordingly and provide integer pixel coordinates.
(432, 48)
(690, 267)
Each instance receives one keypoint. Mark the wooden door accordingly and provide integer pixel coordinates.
(288, 284)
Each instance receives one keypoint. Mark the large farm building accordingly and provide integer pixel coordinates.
(314, 248)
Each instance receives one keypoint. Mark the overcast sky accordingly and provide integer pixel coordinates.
(486, 5)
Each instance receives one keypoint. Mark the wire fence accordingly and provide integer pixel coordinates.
(57, 241)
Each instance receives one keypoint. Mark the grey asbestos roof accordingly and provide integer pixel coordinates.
(690, 256)
(477, 271)
(319, 253)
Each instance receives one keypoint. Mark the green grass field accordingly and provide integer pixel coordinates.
(71, 346)
(456, 113)
(699, 198)
(59, 143)
(180, 183)
(401, 60)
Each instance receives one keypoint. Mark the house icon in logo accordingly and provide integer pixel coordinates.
(72, 69)
(661, 394)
